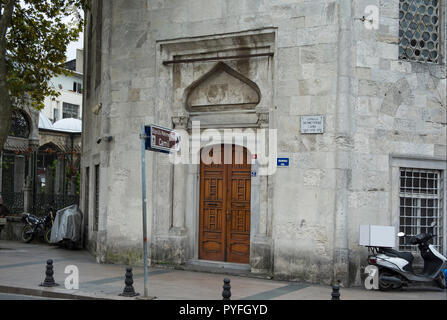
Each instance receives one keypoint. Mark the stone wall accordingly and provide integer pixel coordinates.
(324, 62)
(399, 109)
(12, 229)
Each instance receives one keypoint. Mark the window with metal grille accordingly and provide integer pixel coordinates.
(421, 204)
(419, 30)
(95, 223)
(70, 110)
(87, 192)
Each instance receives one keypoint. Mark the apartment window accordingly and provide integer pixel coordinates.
(96, 217)
(55, 114)
(419, 30)
(77, 87)
(70, 110)
(421, 204)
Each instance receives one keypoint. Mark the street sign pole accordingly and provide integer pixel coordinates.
(143, 190)
(159, 139)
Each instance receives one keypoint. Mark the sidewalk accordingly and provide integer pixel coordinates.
(22, 269)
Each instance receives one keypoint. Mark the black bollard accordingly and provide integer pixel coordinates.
(129, 291)
(49, 280)
(335, 292)
(226, 293)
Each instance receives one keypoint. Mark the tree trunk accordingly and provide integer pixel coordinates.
(5, 99)
(5, 106)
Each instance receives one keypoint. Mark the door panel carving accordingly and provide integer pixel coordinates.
(225, 192)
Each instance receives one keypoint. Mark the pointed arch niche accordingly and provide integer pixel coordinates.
(223, 80)
(222, 89)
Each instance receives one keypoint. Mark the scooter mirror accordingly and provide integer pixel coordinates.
(401, 234)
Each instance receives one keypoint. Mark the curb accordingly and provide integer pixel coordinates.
(51, 294)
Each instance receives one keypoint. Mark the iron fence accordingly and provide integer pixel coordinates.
(13, 201)
(43, 202)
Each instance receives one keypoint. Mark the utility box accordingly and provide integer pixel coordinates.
(377, 236)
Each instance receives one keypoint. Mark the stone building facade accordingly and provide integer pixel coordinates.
(366, 66)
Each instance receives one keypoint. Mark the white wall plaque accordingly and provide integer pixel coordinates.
(312, 124)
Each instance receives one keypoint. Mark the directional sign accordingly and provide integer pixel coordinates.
(161, 139)
(153, 138)
(282, 162)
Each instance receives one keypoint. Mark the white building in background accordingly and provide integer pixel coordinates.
(69, 103)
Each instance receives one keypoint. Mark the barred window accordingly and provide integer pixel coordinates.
(70, 110)
(421, 204)
(419, 30)
(87, 193)
(96, 212)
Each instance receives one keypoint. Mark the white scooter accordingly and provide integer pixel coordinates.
(396, 269)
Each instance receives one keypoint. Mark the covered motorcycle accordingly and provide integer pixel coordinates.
(67, 227)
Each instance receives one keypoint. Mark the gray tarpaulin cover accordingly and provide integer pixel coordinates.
(67, 224)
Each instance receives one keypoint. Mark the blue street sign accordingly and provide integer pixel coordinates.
(282, 162)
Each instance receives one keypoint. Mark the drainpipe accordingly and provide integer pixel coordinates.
(343, 129)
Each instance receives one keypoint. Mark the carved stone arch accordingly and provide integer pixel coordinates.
(50, 147)
(222, 88)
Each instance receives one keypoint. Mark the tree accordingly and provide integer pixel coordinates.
(34, 35)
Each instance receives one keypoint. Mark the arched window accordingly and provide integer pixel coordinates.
(20, 126)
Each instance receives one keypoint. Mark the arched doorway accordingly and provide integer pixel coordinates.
(224, 212)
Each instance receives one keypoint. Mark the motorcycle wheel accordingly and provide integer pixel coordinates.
(441, 280)
(27, 233)
(47, 235)
(385, 286)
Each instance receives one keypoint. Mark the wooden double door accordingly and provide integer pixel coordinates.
(225, 190)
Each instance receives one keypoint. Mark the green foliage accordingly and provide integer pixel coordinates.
(36, 42)
(53, 166)
(78, 183)
(6, 163)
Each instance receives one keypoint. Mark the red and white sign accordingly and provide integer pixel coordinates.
(161, 139)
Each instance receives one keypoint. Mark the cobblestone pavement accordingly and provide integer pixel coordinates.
(22, 269)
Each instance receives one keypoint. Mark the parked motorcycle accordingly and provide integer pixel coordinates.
(396, 268)
(35, 226)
